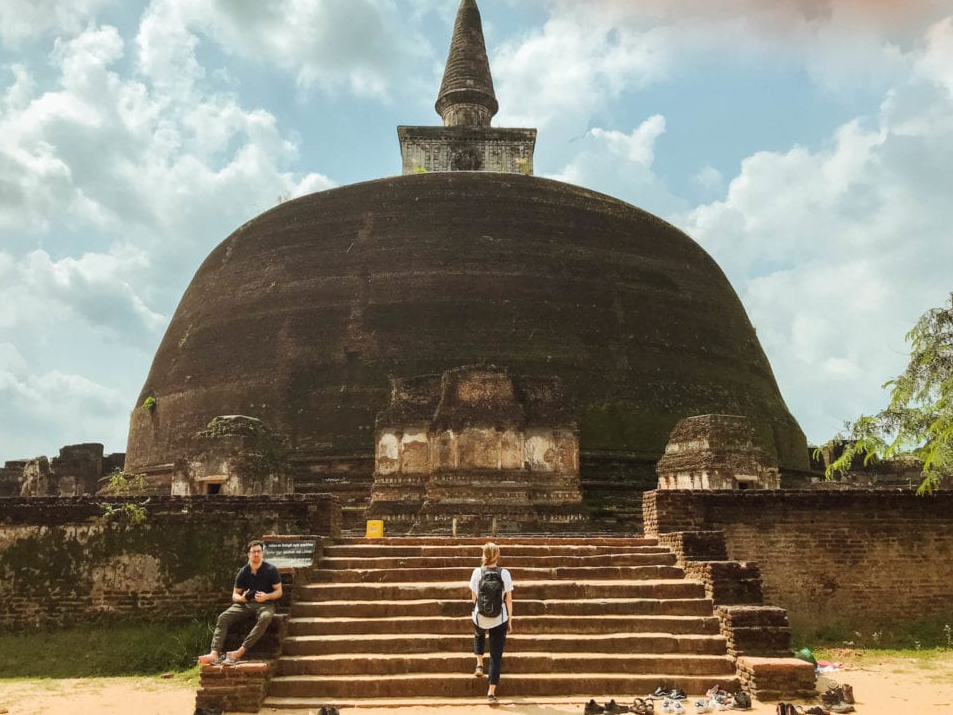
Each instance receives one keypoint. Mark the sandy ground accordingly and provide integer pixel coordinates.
(882, 686)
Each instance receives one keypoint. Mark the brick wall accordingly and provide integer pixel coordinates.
(851, 559)
(62, 560)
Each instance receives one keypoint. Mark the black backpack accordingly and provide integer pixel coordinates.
(490, 593)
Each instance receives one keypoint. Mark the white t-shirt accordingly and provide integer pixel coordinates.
(490, 621)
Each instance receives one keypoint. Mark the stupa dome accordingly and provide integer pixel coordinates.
(301, 317)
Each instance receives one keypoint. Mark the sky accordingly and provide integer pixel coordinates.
(807, 145)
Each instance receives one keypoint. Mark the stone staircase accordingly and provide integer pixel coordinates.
(389, 619)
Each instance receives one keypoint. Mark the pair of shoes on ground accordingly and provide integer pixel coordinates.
(839, 698)
(673, 707)
(721, 699)
(670, 693)
(328, 710)
(838, 694)
(610, 708)
(792, 709)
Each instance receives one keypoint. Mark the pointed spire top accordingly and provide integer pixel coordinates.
(466, 95)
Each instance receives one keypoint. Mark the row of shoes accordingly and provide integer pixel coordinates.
(836, 699)
(717, 698)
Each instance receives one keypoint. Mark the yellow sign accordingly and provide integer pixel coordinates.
(375, 529)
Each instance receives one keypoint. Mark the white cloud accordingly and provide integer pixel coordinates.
(357, 44)
(835, 252)
(48, 403)
(579, 60)
(621, 165)
(588, 54)
(25, 20)
(113, 190)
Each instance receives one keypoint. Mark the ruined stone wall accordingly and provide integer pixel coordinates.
(62, 561)
(857, 559)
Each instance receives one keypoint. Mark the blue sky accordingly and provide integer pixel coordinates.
(806, 144)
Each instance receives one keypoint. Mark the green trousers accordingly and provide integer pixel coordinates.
(238, 612)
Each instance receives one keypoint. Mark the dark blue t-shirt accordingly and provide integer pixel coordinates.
(264, 580)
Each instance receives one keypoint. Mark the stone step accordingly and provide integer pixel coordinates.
(541, 590)
(582, 540)
(519, 561)
(461, 575)
(581, 625)
(527, 607)
(515, 663)
(364, 644)
(312, 691)
(373, 548)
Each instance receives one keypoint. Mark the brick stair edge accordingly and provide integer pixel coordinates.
(234, 688)
(758, 636)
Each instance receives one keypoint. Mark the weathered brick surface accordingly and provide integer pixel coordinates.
(62, 561)
(775, 678)
(727, 581)
(850, 558)
(234, 688)
(696, 545)
(760, 631)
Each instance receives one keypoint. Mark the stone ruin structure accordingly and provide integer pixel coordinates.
(79, 469)
(474, 444)
(234, 455)
(303, 315)
(716, 452)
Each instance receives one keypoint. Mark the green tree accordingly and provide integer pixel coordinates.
(919, 419)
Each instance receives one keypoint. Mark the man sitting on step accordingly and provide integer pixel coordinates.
(257, 587)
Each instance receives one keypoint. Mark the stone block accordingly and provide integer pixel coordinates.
(777, 678)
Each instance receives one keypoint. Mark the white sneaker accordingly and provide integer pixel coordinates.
(703, 706)
(667, 705)
(677, 707)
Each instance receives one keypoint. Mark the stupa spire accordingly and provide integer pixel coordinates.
(466, 95)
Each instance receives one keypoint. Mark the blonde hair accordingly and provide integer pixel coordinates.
(491, 553)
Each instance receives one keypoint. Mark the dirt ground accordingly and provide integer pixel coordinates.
(882, 686)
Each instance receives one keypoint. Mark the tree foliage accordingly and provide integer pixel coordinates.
(919, 419)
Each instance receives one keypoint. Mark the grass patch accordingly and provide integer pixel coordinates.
(922, 635)
(106, 650)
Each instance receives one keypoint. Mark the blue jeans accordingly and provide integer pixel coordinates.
(497, 643)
